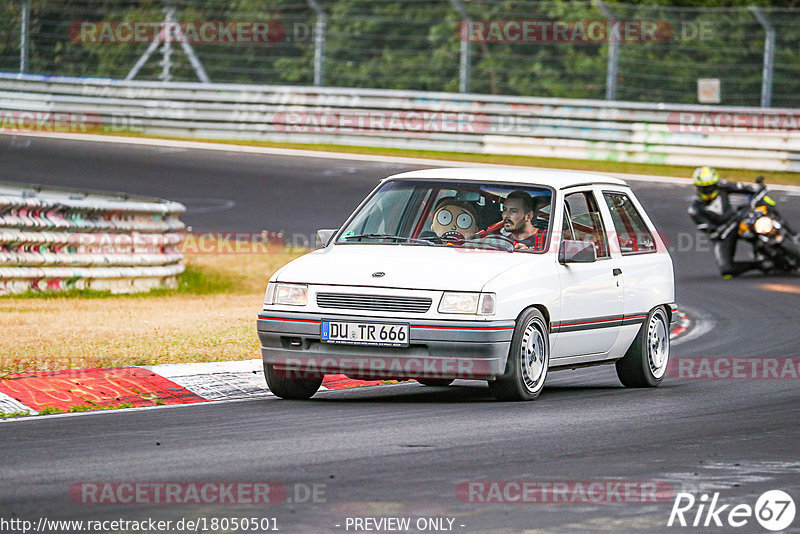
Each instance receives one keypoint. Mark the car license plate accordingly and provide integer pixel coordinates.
(384, 334)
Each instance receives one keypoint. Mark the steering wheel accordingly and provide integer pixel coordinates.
(501, 238)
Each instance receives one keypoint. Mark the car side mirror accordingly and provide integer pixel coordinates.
(576, 252)
(324, 237)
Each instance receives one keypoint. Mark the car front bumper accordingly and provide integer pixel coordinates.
(437, 348)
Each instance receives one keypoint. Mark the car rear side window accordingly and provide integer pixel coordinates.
(586, 222)
(632, 233)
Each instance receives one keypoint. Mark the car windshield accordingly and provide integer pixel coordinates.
(477, 215)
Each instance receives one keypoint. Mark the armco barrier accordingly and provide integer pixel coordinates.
(54, 239)
(751, 138)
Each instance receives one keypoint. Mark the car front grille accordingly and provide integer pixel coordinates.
(373, 302)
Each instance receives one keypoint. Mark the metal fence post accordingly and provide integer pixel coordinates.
(23, 36)
(171, 30)
(319, 42)
(613, 54)
(166, 45)
(464, 62)
(769, 57)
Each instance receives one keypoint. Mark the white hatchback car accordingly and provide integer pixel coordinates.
(496, 275)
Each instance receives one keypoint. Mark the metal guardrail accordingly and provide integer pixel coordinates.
(53, 239)
(744, 55)
(727, 137)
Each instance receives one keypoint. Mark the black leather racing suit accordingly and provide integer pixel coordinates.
(711, 215)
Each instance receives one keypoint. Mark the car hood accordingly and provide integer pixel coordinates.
(404, 266)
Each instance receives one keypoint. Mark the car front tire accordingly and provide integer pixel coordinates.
(528, 360)
(645, 363)
(283, 385)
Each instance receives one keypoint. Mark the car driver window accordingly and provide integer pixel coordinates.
(586, 222)
(632, 233)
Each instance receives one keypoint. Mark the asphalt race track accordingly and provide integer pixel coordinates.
(402, 450)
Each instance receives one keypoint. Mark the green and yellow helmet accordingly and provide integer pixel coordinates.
(705, 181)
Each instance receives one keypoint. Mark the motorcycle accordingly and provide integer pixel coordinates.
(776, 247)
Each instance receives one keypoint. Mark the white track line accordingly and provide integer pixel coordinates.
(701, 324)
(131, 409)
(9, 404)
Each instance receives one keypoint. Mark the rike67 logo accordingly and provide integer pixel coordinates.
(774, 510)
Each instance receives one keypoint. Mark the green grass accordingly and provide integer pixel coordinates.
(81, 408)
(93, 407)
(48, 410)
(746, 175)
(194, 280)
(4, 415)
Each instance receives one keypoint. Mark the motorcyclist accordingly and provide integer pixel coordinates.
(712, 209)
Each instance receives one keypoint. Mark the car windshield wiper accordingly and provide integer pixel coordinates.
(398, 238)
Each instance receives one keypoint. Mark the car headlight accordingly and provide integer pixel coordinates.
(468, 303)
(763, 225)
(287, 294)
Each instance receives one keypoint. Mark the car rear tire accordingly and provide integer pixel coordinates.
(283, 385)
(441, 382)
(645, 363)
(528, 360)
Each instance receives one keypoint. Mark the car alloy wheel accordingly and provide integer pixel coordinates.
(658, 343)
(528, 360)
(532, 357)
(645, 362)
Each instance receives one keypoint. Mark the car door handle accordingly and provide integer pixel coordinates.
(617, 271)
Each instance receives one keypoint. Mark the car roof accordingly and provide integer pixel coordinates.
(558, 179)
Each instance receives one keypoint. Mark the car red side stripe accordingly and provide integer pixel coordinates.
(286, 319)
(484, 328)
(600, 321)
(592, 322)
(465, 327)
